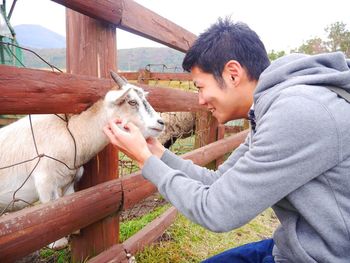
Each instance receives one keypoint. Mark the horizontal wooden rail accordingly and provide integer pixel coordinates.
(114, 254)
(30, 229)
(212, 151)
(25, 91)
(233, 129)
(158, 76)
(136, 189)
(133, 17)
(150, 233)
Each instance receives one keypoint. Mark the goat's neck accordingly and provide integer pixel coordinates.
(87, 129)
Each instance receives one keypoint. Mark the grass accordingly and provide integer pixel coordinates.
(131, 227)
(183, 241)
(50, 255)
(190, 242)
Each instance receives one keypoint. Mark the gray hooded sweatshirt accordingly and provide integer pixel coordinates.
(297, 161)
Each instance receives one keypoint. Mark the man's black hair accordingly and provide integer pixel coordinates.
(225, 41)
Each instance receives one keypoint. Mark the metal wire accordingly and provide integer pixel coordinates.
(164, 67)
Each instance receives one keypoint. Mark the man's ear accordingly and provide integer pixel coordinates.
(233, 71)
(116, 97)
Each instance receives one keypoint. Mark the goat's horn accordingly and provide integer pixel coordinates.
(120, 82)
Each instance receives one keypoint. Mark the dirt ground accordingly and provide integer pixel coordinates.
(144, 207)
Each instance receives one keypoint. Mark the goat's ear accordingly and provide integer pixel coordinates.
(119, 80)
(116, 97)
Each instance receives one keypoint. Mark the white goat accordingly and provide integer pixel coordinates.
(50, 179)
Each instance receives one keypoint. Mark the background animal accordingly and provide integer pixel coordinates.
(177, 125)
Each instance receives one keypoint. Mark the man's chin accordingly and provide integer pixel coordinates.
(220, 120)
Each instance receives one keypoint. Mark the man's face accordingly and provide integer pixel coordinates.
(223, 101)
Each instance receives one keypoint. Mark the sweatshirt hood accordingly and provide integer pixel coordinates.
(328, 69)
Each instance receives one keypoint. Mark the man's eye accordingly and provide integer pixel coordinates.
(132, 102)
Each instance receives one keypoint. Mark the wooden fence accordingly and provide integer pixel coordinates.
(91, 53)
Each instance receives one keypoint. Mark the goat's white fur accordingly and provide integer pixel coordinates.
(51, 179)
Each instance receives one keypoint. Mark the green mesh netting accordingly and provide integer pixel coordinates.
(9, 54)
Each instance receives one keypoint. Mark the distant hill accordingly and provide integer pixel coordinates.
(35, 36)
(134, 59)
(55, 56)
(51, 46)
(131, 59)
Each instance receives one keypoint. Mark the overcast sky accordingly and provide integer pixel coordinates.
(281, 24)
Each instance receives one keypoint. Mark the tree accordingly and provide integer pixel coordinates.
(273, 55)
(339, 38)
(313, 46)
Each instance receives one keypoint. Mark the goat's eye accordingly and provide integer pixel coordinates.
(132, 102)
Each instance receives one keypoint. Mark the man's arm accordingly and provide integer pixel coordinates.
(282, 158)
(203, 174)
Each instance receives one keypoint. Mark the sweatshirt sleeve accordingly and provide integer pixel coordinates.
(199, 173)
(285, 148)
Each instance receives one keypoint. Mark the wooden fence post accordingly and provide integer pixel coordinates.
(206, 131)
(91, 50)
(221, 135)
(144, 76)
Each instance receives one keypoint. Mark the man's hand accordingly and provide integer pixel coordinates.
(130, 141)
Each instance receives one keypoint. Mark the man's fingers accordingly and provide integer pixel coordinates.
(131, 126)
(115, 129)
(151, 140)
(117, 120)
(107, 131)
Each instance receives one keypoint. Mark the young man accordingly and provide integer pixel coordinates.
(295, 160)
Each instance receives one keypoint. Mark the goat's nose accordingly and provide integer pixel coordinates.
(160, 121)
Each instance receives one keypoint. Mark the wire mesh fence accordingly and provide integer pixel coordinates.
(151, 74)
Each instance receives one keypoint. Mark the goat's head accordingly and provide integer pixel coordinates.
(129, 103)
